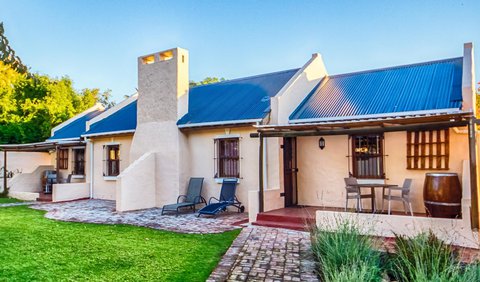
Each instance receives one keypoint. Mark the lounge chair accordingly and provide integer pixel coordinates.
(227, 198)
(193, 197)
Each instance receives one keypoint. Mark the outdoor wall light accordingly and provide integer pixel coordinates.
(321, 143)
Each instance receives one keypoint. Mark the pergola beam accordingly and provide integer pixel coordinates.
(280, 132)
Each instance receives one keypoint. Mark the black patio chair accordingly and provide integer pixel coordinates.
(193, 197)
(227, 198)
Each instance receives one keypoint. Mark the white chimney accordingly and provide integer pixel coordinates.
(163, 99)
(468, 79)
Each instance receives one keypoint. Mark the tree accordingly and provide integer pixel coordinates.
(32, 104)
(478, 99)
(206, 80)
(7, 54)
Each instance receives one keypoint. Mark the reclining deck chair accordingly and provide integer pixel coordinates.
(193, 197)
(227, 198)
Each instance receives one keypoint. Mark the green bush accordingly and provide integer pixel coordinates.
(345, 255)
(426, 258)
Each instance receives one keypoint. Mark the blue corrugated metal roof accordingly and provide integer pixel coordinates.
(75, 128)
(122, 120)
(232, 100)
(418, 87)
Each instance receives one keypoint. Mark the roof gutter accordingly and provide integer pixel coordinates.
(384, 115)
(218, 123)
(109, 133)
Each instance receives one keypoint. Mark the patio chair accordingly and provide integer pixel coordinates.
(404, 197)
(193, 197)
(227, 198)
(353, 192)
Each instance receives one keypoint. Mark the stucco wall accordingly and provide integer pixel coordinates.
(70, 191)
(452, 231)
(201, 150)
(65, 172)
(23, 162)
(321, 172)
(103, 187)
(136, 185)
(29, 182)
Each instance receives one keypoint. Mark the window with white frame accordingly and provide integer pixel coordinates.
(78, 161)
(112, 160)
(227, 158)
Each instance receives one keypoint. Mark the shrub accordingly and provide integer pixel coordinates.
(426, 258)
(345, 255)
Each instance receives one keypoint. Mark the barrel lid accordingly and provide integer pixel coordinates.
(441, 174)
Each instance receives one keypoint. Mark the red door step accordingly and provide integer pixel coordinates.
(286, 225)
(288, 220)
(44, 197)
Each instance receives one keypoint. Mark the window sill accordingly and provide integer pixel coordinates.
(110, 178)
(78, 176)
(220, 180)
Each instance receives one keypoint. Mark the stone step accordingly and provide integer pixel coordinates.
(285, 225)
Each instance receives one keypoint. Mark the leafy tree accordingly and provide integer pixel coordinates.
(7, 55)
(478, 99)
(206, 80)
(32, 104)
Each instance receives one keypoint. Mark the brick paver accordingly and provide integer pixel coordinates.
(102, 211)
(267, 254)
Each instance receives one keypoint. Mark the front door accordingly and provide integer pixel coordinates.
(290, 170)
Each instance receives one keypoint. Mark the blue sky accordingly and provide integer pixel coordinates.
(97, 43)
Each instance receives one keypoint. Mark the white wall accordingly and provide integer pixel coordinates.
(201, 156)
(105, 187)
(23, 162)
(70, 191)
(321, 172)
(135, 187)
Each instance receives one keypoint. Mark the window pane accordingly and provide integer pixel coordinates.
(367, 156)
(228, 158)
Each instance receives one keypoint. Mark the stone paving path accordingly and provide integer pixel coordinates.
(16, 204)
(102, 211)
(267, 254)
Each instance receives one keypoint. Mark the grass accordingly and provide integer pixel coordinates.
(9, 200)
(35, 248)
(346, 255)
(426, 258)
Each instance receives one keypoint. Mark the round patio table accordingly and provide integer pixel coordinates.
(372, 187)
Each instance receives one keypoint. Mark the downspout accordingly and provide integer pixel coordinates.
(265, 171)
(90, 142)
(260, 174)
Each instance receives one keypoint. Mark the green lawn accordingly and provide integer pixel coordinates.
(9, 200)
(35, 248)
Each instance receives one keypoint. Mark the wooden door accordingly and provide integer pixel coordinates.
(290, 170)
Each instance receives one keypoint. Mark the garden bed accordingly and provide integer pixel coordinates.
(346, 255)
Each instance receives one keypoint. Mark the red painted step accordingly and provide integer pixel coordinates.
(291, 226)
(295, 219)
(44, 197)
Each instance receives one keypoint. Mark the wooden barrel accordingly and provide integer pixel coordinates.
(442, 195)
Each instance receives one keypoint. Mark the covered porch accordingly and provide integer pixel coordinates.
(62, 179)
(316, 157)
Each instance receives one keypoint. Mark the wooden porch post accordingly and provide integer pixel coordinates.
(57, 160)
(4, 171)
(260, 174)
(473, 172)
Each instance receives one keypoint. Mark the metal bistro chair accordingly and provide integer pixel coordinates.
(404, 197)
(353, 192)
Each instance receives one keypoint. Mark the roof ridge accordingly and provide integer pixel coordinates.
(395, 67)
(246, 77)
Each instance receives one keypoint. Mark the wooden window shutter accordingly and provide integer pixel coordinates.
(428, 150)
